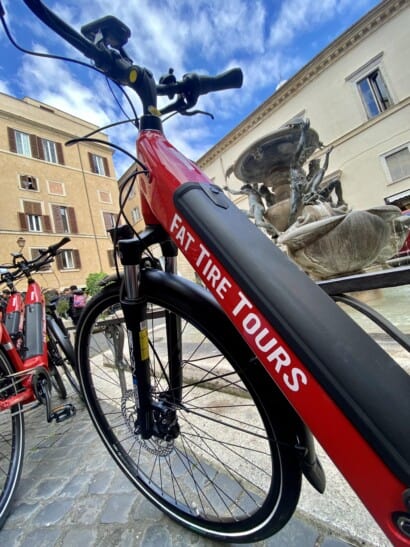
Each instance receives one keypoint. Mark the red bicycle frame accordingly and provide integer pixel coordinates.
(14, 317)
(364, 469)
(35, 340)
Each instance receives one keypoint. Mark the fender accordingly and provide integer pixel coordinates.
(61, 338)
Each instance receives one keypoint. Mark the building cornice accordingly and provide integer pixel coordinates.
(368, 24)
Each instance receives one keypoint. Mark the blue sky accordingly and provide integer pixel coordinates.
(269, 39)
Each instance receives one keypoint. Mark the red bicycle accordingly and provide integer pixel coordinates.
(34, 345)
(208, 399)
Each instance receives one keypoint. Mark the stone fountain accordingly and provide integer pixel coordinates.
(294, 206)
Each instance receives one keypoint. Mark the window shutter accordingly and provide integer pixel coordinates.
(111, 261)
(12, 139)
(59, 261)
(106, 167)
(60, 155)
(72, 220)
(76, 257)
(35, 147)
(107, 220)
(23, 221)
(58, 221)
(47, 223)
(92, 162)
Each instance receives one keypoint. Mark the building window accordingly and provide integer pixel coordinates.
(401, 200)
(398, 163)
(374, 93)
(27, 182)
(34, 223)
(57, 188)
(32, 219)
(35, 147)
(99, 165)
(110, 220)
(23, 145)
(135, 215)
(65, 221)
(49, 150)
(105, 197)
(69, 259)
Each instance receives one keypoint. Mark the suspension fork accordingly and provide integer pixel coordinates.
(135, 316)
(174, 343)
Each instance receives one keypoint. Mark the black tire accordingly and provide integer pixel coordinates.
(67, 360)
(54, 360)
(231, 473)
(11, 440)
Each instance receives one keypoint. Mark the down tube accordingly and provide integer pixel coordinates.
(366, 471)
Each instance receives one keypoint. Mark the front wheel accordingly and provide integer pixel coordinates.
(11, 440)
(225, 465)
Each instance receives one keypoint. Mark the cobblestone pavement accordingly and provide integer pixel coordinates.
(72, 494)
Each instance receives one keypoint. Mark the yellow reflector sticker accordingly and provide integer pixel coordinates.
(144, 344)
(133, 75)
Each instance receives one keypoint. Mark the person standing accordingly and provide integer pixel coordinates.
(77, 303)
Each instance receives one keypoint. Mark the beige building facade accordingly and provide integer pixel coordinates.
(356, 94)
(50, 191)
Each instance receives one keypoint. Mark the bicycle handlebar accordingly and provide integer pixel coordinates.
(59, 26)
(21, 266)
(109, 57)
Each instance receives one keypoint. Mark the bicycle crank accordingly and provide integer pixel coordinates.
(42, 388)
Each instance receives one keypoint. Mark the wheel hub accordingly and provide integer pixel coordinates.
(160, 444)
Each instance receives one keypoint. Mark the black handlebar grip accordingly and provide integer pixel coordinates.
(54, 248)
(230, 79)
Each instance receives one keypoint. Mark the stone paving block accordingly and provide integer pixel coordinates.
(121, 484)
(48, 488)
(43, 537)
(77, 537)
(52, 513)
(156, 535)
(147, 511)
(11, 538)
(100, 482)
(119, 536)
(75, 486)
(86, 511)
(295, 534)
(117, 508)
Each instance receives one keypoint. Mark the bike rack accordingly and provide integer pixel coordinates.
(383, 279)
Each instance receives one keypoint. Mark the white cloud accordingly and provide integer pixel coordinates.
(52, 82)
(298, 16)
(4, 88)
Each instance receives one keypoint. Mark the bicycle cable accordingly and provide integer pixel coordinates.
(75, 61)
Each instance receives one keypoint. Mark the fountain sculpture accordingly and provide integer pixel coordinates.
(310, 218)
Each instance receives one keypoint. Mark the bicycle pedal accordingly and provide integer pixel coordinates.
(63, 412)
